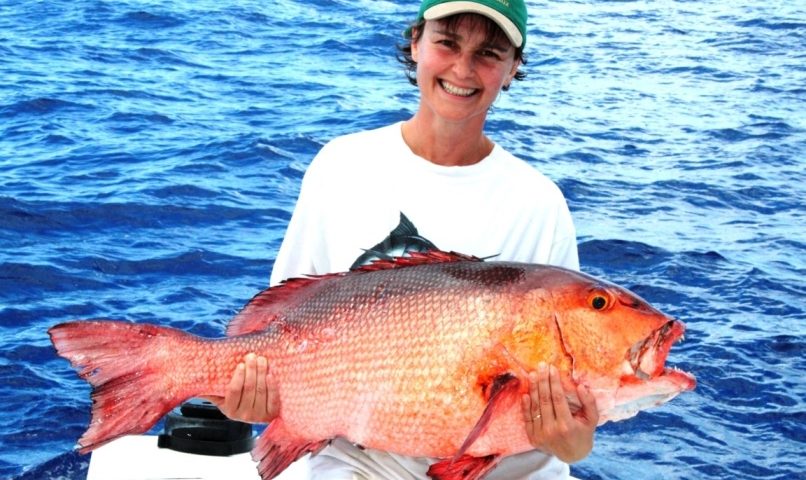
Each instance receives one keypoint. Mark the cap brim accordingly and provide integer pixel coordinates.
(451, 8)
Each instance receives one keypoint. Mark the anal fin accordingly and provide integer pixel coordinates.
(465, 467)
(276, 449)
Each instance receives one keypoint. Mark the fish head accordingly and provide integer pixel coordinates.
(617, 344)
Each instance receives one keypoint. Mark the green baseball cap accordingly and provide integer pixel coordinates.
(510, 15)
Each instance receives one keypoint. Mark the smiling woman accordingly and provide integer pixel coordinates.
(460, 73)
(495, 39)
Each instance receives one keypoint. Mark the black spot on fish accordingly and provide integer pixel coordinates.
(487, 275)
(493, 386)
(402, 240)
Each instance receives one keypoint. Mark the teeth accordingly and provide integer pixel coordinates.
(454, 90)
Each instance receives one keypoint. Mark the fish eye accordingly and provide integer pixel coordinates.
(599, 300)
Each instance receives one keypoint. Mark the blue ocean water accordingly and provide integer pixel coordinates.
(151, 154)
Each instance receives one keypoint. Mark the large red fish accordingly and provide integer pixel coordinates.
(424, 356)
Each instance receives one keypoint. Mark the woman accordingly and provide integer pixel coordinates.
(463, 192)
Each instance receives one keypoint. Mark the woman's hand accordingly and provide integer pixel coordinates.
(251, 395)
(550, 425)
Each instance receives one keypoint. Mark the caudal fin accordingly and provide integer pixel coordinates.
(128, 366)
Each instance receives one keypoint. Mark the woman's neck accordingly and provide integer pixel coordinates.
(447, 144)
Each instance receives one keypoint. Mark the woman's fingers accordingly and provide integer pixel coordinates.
(589, 409)
(247, 401)
(530, 402)
(232, 398)
(547, 413)
(261, 369)
(555, 429)
(558, 400)
(251, 395)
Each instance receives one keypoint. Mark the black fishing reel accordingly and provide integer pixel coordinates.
(198, 427)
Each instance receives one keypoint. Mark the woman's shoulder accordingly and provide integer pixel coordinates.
(366, 139)
(353, 154)
(523, 173)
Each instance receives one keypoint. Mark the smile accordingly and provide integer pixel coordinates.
(458, 91)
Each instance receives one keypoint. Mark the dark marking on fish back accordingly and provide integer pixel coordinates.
(489, 276)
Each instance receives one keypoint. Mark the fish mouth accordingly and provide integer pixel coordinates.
(646, 359)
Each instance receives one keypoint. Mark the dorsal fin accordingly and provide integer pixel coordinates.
(417, 258)
(267, 306)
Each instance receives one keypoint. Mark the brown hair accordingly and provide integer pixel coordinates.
(492, 31)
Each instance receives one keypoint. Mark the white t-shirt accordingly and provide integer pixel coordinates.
(351, 198)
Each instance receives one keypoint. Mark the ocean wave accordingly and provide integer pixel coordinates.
(41, 106)
(148, 20)
(46, 217)
(190, 264)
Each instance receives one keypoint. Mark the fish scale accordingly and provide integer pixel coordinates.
(403, 383)
(404, 377)
(426, 355)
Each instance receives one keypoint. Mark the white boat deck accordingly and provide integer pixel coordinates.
(138, 458)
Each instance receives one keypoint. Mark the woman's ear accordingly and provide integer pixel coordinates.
(414, 45)
(515, 65)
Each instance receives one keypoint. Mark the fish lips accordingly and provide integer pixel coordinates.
(647, 358)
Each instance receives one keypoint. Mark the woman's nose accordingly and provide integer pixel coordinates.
(463, 65)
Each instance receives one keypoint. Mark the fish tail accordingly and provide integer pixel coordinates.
(129, 368)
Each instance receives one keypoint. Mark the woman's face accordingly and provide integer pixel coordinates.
(459, 72)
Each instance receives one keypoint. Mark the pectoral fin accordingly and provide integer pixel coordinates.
(500, 393)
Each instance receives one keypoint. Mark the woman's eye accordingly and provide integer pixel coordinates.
(489, 54)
